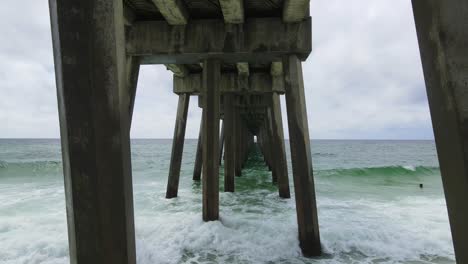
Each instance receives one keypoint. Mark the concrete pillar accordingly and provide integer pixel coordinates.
(132, 73)
(230, 142)
(177, 146)
(93, 101)
(198, 156)
(210, 180)
(270, 148)
(238, 158)
(280, 150)
(442, 29)
(301, 158)
(221, 143)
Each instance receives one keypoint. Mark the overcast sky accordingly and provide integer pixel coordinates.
(363, 79)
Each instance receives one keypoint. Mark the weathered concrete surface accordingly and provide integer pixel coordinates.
(257, 83)
(198, 156)
(301, 158)
(221, 143)
(210, 180)
(233, 11)
(93, 101)
(238, 126)
(243, 68)
(177, 146)
(280, 151)
(295, 10)
(270, 148)
(230, 143)
(261, 39)
(174, 11)
(276, 68)
(179, 70)
(442, 28)
(132, 72)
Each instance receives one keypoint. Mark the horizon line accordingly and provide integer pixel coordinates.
(357, 139)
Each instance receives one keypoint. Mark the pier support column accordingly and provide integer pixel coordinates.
(177, 146)
(132, 72)
(94, 102)
(269, 148)
(238, 158)
(301, 158)
(198, 156)
(221, 143)
(210, 180)
(230, 144)
(443, 40)
(280, 151)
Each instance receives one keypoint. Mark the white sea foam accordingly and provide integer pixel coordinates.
(360, 222)
(410, 167)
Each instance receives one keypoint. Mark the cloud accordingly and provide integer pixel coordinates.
(362, 80)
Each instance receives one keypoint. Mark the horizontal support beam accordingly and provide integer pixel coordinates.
(173, 11)
(295, 10)
(276, 68)
(257, 40)
(232, 83)
(179, 70)
(233, 11)
(243, 68)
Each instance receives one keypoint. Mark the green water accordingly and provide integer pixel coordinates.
(371, 209)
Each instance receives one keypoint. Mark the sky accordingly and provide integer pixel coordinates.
(363, 79)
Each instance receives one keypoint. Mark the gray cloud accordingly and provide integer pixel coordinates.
(363, 79)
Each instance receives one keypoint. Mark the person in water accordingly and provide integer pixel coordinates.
(421, 185)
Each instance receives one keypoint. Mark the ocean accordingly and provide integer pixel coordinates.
(371, 208)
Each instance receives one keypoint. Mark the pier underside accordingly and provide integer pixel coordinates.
(237, 58)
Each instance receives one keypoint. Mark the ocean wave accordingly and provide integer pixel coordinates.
(29, 168)
(397, 170)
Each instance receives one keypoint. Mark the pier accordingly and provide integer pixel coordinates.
(235, 59)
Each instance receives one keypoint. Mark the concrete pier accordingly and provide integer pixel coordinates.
(247, 52)
(228, 55)
(442, 29)
(198, 156)
(95, 90)
(230, 142)
(301, 158)
(211, 102)
(221, 143)
(279, 153)
(177, 146)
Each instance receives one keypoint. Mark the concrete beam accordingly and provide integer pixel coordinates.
(174, 11)
(443, 40)
(179, 70)
(93, 101)
(233, 11)
(243, 68)
(295, 10)
(257, 83)
(129, 15)
(276, 68)
(277, 75)
(260, 40)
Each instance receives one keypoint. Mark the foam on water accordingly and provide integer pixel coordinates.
(361, 221)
